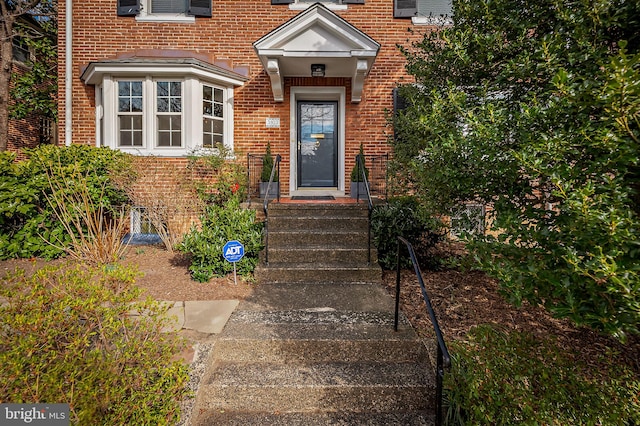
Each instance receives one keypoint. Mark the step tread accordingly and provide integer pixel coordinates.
(235, 330)
(306, 350)
(322, 374)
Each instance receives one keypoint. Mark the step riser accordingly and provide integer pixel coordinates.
(344, 211)
(276, 274)
(419, 418)
(317, 224)
(315, 256)
(318, 239)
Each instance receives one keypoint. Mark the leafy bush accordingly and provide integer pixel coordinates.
(535, 111)
(68, 335)
(505, 379)
(27, 221)
(404, 217)
(221, 224)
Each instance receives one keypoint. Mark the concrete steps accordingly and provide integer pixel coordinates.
(318, 243)
(316, 354)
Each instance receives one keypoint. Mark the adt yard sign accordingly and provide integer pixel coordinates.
(233, 251)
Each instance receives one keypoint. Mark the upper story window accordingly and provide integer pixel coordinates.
(331, 4)
(165, 10)
(425, 12)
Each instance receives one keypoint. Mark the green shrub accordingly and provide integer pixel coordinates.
(404, 217)
(221, 224)
(504, 379)
(68, 335)
(27, 220)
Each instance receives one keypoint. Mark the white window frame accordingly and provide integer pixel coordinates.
(213, 116)
(107, 133)
(146, 14)
(119, 113)
(157, 114)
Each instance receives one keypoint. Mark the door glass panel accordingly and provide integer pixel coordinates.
(317, 144)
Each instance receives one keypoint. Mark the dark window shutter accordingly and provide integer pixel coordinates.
(353, 1)
(200, 8)
(128, 7)
(405, 8)
(281, 1)
(399, 104)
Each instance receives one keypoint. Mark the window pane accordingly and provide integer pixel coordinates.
(218, 125)
(136, 88)
(207, 109)
(176, 122)
(175, 88)
(164, 122)
(125, 122)
(136, 121)
(163, 88)
(137, 138)
(168, 6)
(217, 110)
(136, 105)
(207, 93)
(207, 141)
(164, 139)
(125, 138)
(124, 88)
(124, 105)
(176, 105)
(218, 95)
(163, 105)
(176, 139)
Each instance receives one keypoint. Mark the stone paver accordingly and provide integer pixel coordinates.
(208, 316)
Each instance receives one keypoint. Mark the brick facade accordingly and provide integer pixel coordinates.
(98, 33)
(26, 132)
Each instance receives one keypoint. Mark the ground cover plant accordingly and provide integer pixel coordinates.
(81, 336)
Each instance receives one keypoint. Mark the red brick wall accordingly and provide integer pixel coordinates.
(23, 133)
(98, 34)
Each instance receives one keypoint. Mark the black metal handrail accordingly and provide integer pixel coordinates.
(362, 172)
(265, 205)
(443, 360)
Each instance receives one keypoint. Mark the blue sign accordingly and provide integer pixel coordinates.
(233, 251)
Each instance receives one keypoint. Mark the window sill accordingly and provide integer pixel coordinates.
(432, 20)
(167, 18)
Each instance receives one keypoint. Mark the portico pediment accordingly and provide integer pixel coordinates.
(317, 36)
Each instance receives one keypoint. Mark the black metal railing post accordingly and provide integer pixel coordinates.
(363, 174)
(265, 207)
(443, 359)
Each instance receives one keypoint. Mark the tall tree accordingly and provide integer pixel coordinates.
(13, 12)
(533, 107)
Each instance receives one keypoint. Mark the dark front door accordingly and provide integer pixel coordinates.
(317, 144)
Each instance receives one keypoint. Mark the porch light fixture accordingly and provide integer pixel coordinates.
(317, 70)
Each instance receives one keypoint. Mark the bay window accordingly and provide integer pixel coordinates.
(164, 107)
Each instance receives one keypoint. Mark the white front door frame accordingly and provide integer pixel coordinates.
(316, 93)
